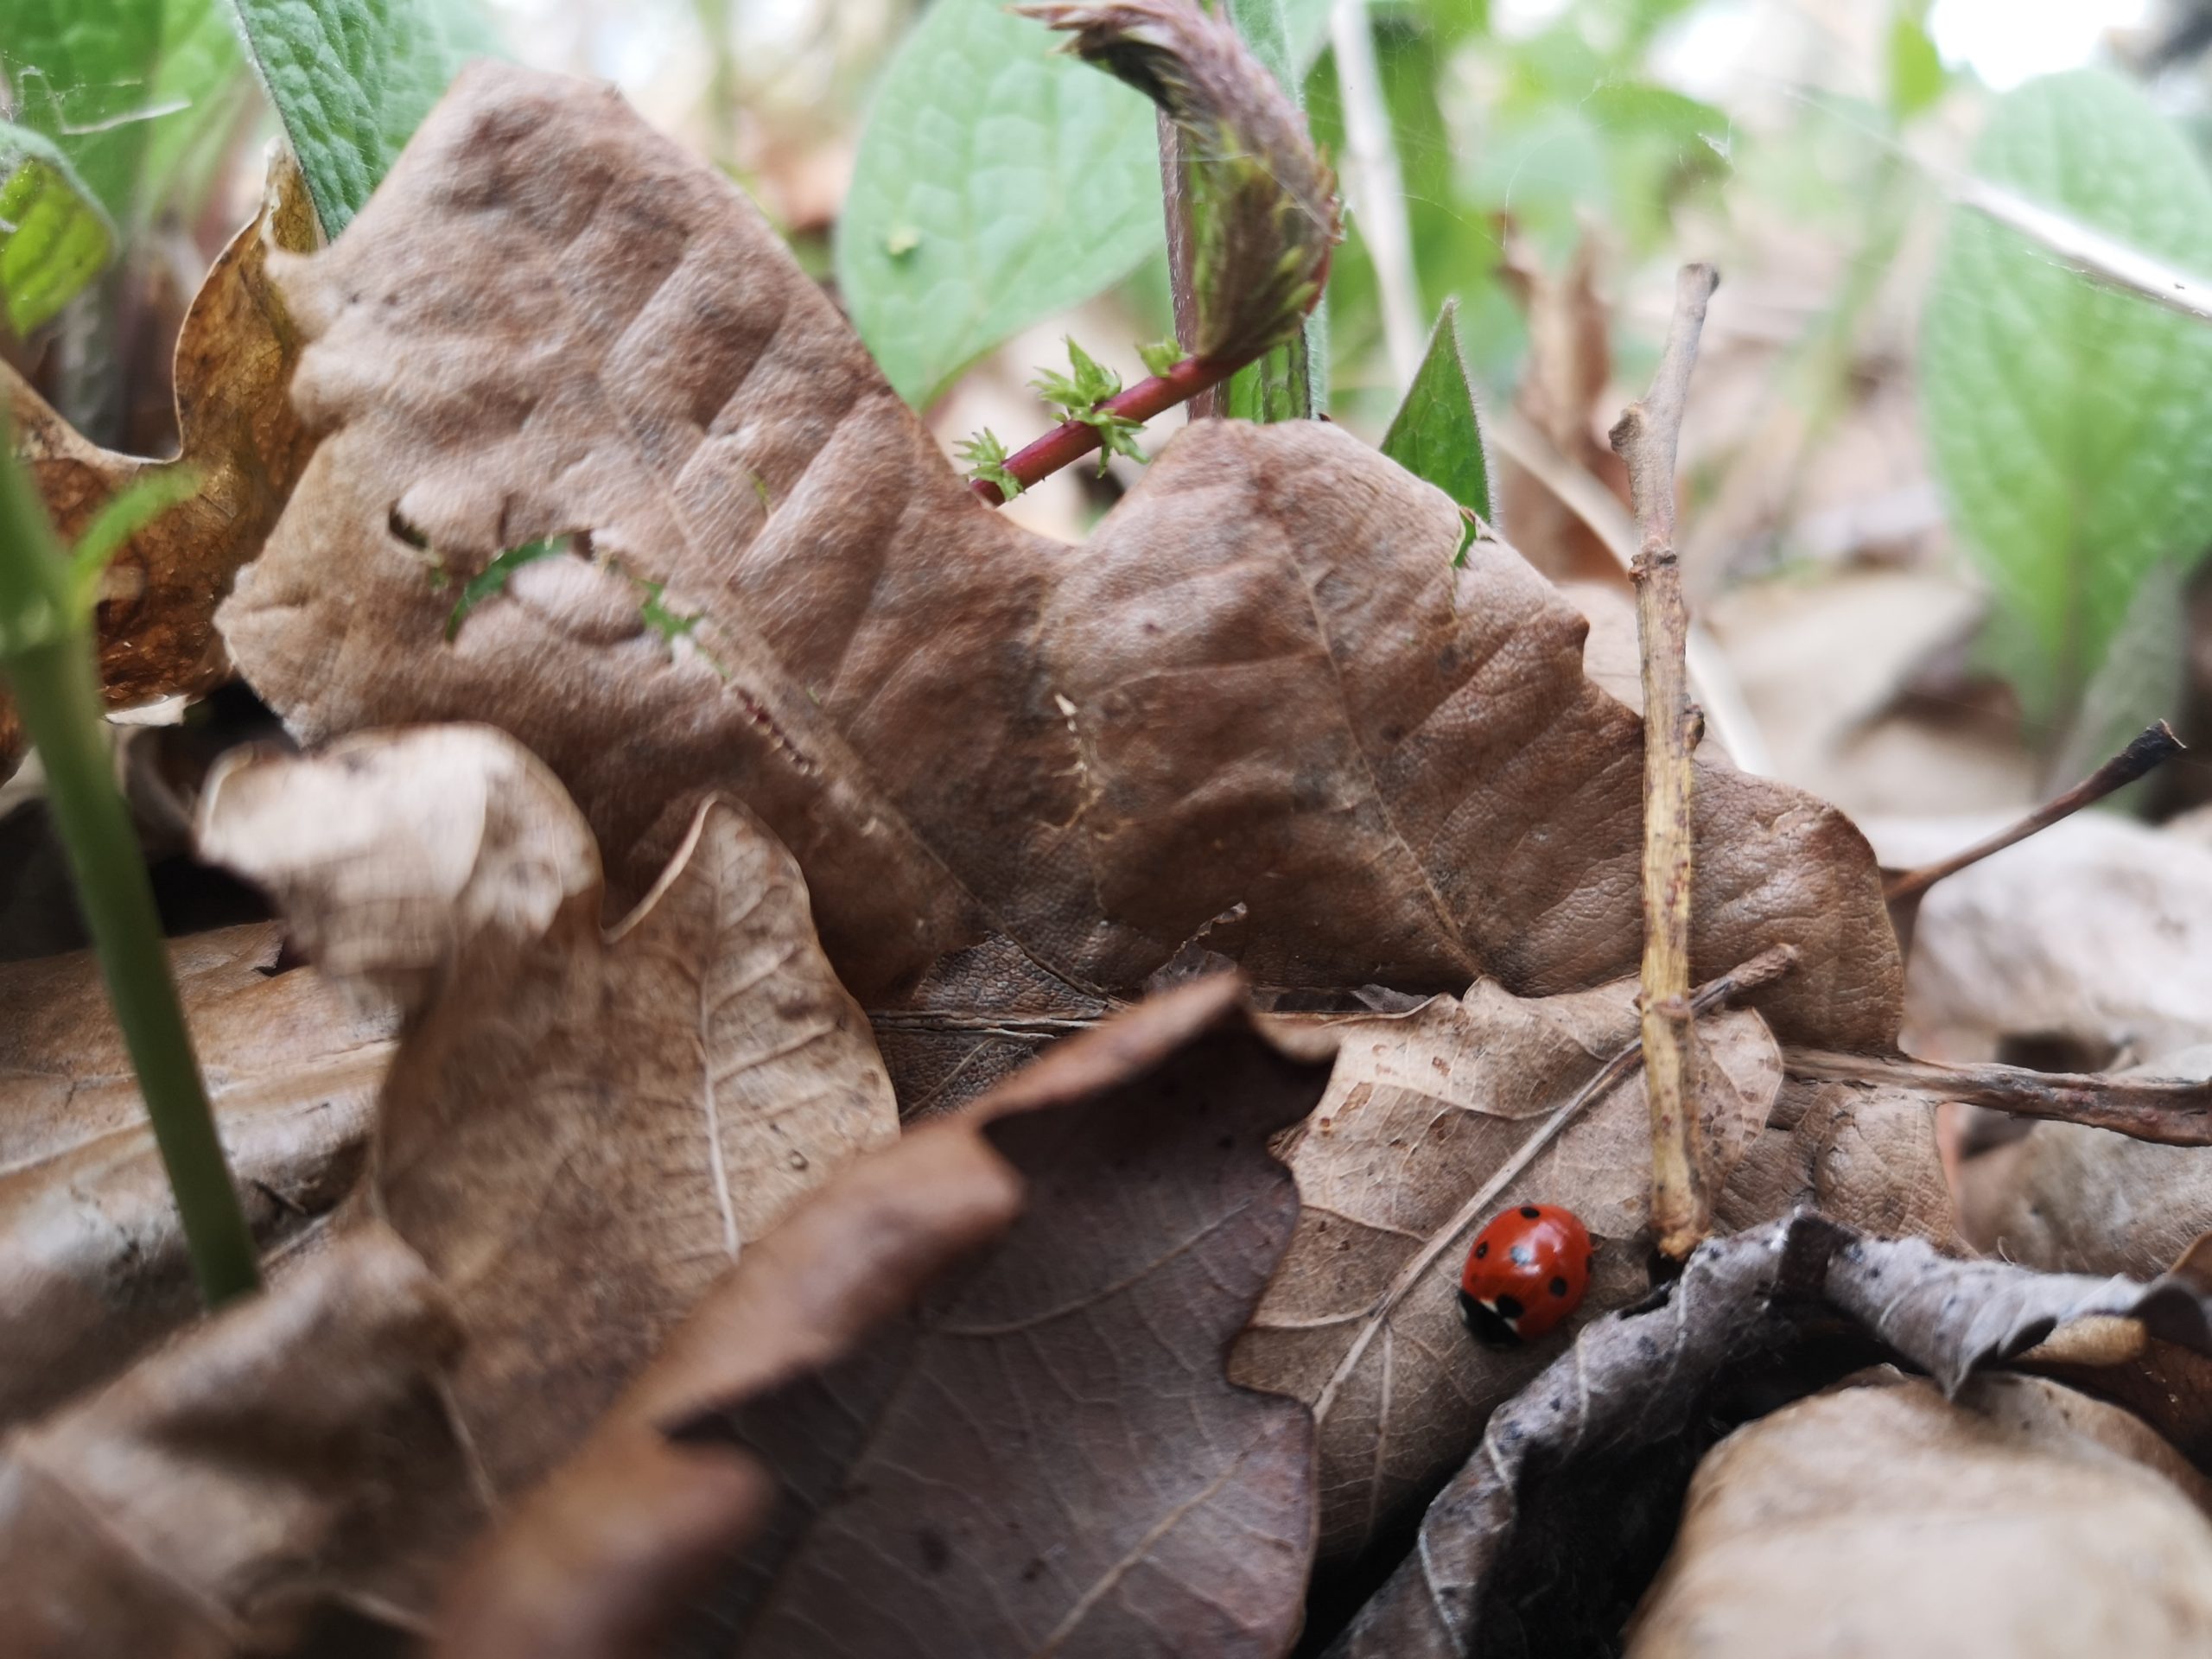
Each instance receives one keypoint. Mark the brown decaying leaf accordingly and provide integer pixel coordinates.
(1024, 1448)
(582, 1129)
(92, 1264)
(239, 438)
(193, 1507)
(1399, 1165)
(2076, 1199)
(1639, 1378)
(1261, 684)
(2020, 1520)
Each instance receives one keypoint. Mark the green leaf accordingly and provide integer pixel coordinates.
(998, 181)
(2071, 426)
(352, 80)
(493, 578)
(1437, 434)
(986, 457)
(53, 235)
(125, 89)
(1917, 77)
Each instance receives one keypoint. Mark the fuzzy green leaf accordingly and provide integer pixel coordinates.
(352, 80)
(998, 181)
(2070, 425)
(127, 90)
(53, 235)
(985, 458)
(1437, 434)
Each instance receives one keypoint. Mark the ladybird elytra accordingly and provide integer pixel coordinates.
(1526, 1270)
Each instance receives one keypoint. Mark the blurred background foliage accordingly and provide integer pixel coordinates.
(1944, 498)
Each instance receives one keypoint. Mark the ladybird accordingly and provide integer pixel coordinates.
(1526, 1272)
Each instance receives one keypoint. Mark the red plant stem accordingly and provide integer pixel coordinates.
(1071, 440)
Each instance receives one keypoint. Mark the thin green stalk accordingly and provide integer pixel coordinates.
(46, 655)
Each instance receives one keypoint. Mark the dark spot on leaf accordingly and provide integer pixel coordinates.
(936, 1555)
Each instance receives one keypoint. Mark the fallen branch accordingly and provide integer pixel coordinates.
(1645, 438)
(2172, 1111)
(2146, 750)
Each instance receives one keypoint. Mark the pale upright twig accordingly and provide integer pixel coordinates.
(1645, 438)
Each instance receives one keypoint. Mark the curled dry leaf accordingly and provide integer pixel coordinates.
(241, 443)
(581, 1127)
(2018, 1521)
(1262, 701)
(192, 1507)
(1021, 1448)
(2076, 1199)
(92, 1264)
(2097, 930)
(1556, 1524)
(1415, 1146)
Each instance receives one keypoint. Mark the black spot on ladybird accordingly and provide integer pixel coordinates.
(1482, 1249)
(1509, 1307)
(1559, 1287)
(1529, 1212)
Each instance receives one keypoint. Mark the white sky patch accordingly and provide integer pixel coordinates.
(2007, 42)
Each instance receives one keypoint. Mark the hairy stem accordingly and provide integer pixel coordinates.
(1645, 438)
(46, 654)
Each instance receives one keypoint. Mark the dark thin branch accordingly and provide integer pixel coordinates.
(2150, 749)
(2174, 1112)
(1645, 438)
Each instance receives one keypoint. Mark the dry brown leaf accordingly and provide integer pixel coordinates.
(192, 1507)
(239, 439)
(1399, 1165)
(1562, 394)
(609, 1553)
(2021, 1520)
(92, 1264)
(1548, 1533)
(582, 1128)
(2076, 1199)
(1038, 1452)
(1260, 698)
(2097, 930)
(1865, 1156)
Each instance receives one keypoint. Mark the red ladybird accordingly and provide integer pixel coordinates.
(1527, 1271)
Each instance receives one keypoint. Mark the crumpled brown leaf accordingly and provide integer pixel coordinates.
(2018, 1521)
(92, 1264)
(582, 1128)
(1261, 684)
(1581, 1470)
(2097, 930)
(194, 1507)
(984, 1368)
(2076, 1199)
(240, 439)
(1399, 1165)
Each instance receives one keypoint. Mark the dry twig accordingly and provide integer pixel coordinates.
(1645, 437)
(2172, 1111)
(2148, 750)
